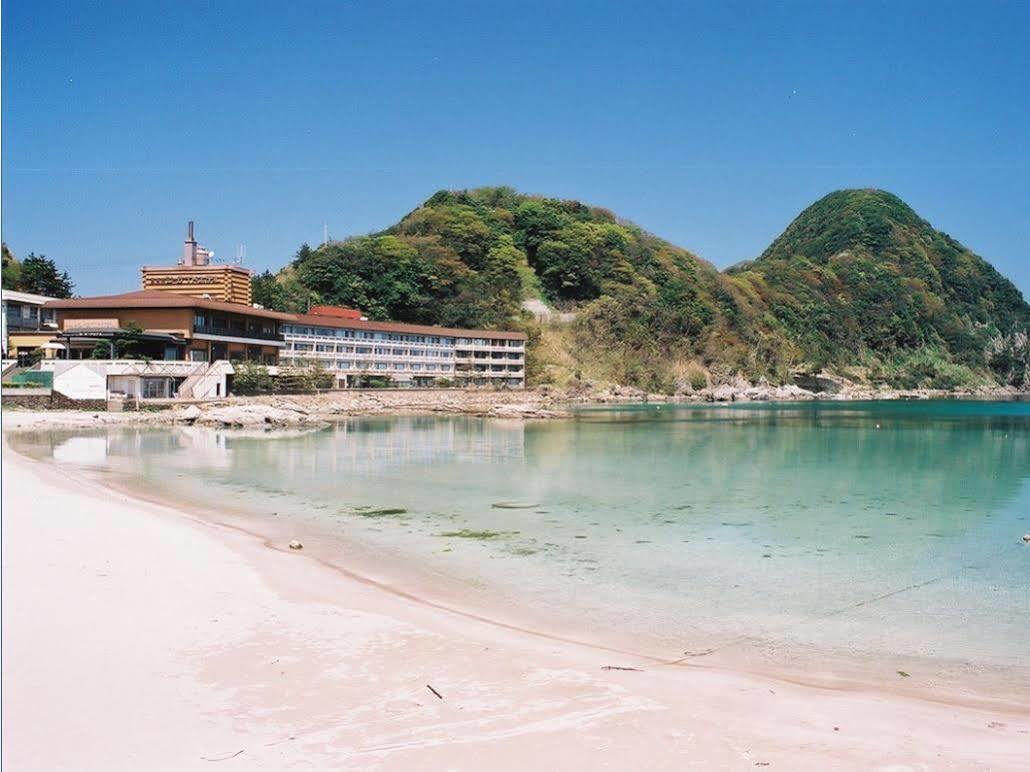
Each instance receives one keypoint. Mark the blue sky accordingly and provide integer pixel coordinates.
(710, 124)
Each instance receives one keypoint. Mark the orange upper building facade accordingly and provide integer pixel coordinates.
(228, 283)
(201, 329)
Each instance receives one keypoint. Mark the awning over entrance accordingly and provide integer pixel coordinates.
(153, 344)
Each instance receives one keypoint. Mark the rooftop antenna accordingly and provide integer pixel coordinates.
(241, 253)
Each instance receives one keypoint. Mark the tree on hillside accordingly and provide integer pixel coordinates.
(11, 269)
(40, 276)
(267, 291)
(282, 291)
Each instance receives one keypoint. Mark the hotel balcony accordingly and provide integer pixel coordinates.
(294, 336)
(468, 356)
(254, 334)
(333, 355)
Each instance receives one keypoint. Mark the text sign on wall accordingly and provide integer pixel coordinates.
(179, 280)
(90, 324)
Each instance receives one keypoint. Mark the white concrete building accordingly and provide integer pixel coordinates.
(136, 380)
(360, 352)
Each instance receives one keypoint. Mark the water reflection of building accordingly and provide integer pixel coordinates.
(368, 447)
(171, 447)
(84, 451)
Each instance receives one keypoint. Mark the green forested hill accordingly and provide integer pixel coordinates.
(860, 279)
(857, 284)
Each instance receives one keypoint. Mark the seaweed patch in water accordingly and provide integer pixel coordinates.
(465, 533)
(388, 512)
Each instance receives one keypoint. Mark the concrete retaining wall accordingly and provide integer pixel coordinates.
(50, 401)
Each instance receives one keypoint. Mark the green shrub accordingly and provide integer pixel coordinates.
(697, 377)
(314, 377)
(252, 378)
(928, 368)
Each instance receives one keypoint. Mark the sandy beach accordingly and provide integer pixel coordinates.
(137, 636)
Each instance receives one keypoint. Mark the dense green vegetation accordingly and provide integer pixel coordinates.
(254, 378)
(857, 284)
(11, 268)
(860, 279)
(468, 258)
(37, 274)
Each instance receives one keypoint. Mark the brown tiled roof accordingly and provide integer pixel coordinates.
(419, 329)
(338, 311)
(162, 299)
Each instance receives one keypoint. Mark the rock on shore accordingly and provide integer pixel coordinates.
(245, 416)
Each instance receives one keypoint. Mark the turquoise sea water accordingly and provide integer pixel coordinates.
(868, 537)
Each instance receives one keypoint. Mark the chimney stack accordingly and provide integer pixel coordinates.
(189, 247)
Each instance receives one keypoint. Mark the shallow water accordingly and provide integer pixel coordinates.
(801, 536)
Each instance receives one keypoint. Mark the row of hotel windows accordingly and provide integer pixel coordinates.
(326, 348)
(332, 332)
(212, 322)
(28, 316)
(343, 364)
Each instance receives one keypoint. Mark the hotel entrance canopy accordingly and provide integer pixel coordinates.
(158, 343)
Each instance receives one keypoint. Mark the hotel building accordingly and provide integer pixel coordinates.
(191, 321)
(360, 352)
(28, 323)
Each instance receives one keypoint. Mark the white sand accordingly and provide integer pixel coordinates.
(137, 637)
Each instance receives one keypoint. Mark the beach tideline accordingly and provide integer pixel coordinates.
(138, 637)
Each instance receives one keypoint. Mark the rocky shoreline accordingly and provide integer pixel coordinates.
(317, 410)
(302, 410)
(819, 387)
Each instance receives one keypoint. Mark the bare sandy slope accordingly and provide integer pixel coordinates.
(136, 637)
